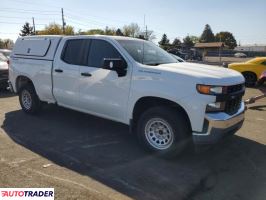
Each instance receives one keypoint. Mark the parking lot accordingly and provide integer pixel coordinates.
(84, 157)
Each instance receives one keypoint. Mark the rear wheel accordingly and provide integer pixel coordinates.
(164, 131)
(250, 78)
(29, 100)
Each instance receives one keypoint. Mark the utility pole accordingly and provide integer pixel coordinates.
(220, 50)
(146, 33)
(144, 20)
(145, 28)
(34, 30)
(63, 20)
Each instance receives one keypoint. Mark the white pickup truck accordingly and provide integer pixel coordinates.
(130, 81)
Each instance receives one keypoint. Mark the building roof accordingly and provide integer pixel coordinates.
(209, 45)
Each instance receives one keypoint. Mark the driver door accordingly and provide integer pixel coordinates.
(101, 91)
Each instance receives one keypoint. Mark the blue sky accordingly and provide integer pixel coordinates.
(246, 19)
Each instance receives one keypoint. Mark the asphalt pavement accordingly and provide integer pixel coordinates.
(85, 157)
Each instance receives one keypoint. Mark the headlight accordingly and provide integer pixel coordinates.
(209, 89)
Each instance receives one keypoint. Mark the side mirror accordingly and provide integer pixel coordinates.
(115, 64)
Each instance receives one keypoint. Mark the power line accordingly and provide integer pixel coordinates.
(17, 23)
(88, 19)
(26, 10)
(27, 18)
(94, 16)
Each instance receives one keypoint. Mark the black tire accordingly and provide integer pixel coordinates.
(175, 120)
(250, 78)
(3, 86)
(34, 104)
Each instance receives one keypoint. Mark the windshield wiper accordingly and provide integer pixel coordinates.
(154, 64)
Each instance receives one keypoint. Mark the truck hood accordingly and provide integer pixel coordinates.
(206, 74)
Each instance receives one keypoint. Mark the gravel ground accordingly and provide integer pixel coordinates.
(84, 157)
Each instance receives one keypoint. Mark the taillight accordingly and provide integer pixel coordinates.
(8, 62)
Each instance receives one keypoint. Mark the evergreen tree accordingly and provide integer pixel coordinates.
(164, 41)
(119, 32)
(207, 35)
(26, 30)
(188, 42)
(176, 42)
(226, 37)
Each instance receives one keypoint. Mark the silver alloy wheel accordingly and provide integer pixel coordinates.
(26, 99)
(159, 133)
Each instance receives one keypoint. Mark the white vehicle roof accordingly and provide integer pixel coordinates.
(41, 47)
(44, 46)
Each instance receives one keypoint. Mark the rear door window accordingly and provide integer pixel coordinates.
(76, 52)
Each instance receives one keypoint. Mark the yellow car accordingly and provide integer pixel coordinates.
(251, 69)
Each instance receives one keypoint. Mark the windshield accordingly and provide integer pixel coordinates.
(146, 52)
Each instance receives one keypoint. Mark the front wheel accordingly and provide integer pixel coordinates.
(29, 100)
(164, 131)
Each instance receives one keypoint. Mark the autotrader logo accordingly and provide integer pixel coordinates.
(26, 193)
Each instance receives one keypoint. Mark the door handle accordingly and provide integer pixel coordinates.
(58, 70)
(85, 74)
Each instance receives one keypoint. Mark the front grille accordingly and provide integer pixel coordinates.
(3, 74)
(234, 88)
(232, 106)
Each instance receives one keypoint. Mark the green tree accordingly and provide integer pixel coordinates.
(131, 30)
(94, 32)
(51, 29)
(8, 43)
(2, 44)
(188, 42)
(150, 35)
(207, 35)
(176, 43)
(56, 29)
(226, 37)
(69, 30)
(164, 42)
(194, 39)
(119, 32)
(109, 31)
(147, 35)
(26, 30)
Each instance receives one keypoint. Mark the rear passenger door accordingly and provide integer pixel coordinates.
(71, 55)
(102, 91)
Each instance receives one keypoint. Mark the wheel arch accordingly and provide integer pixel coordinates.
(251, 72)
(147, 102)
(22, 81)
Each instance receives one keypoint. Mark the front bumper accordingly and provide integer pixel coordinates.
(219, 125)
